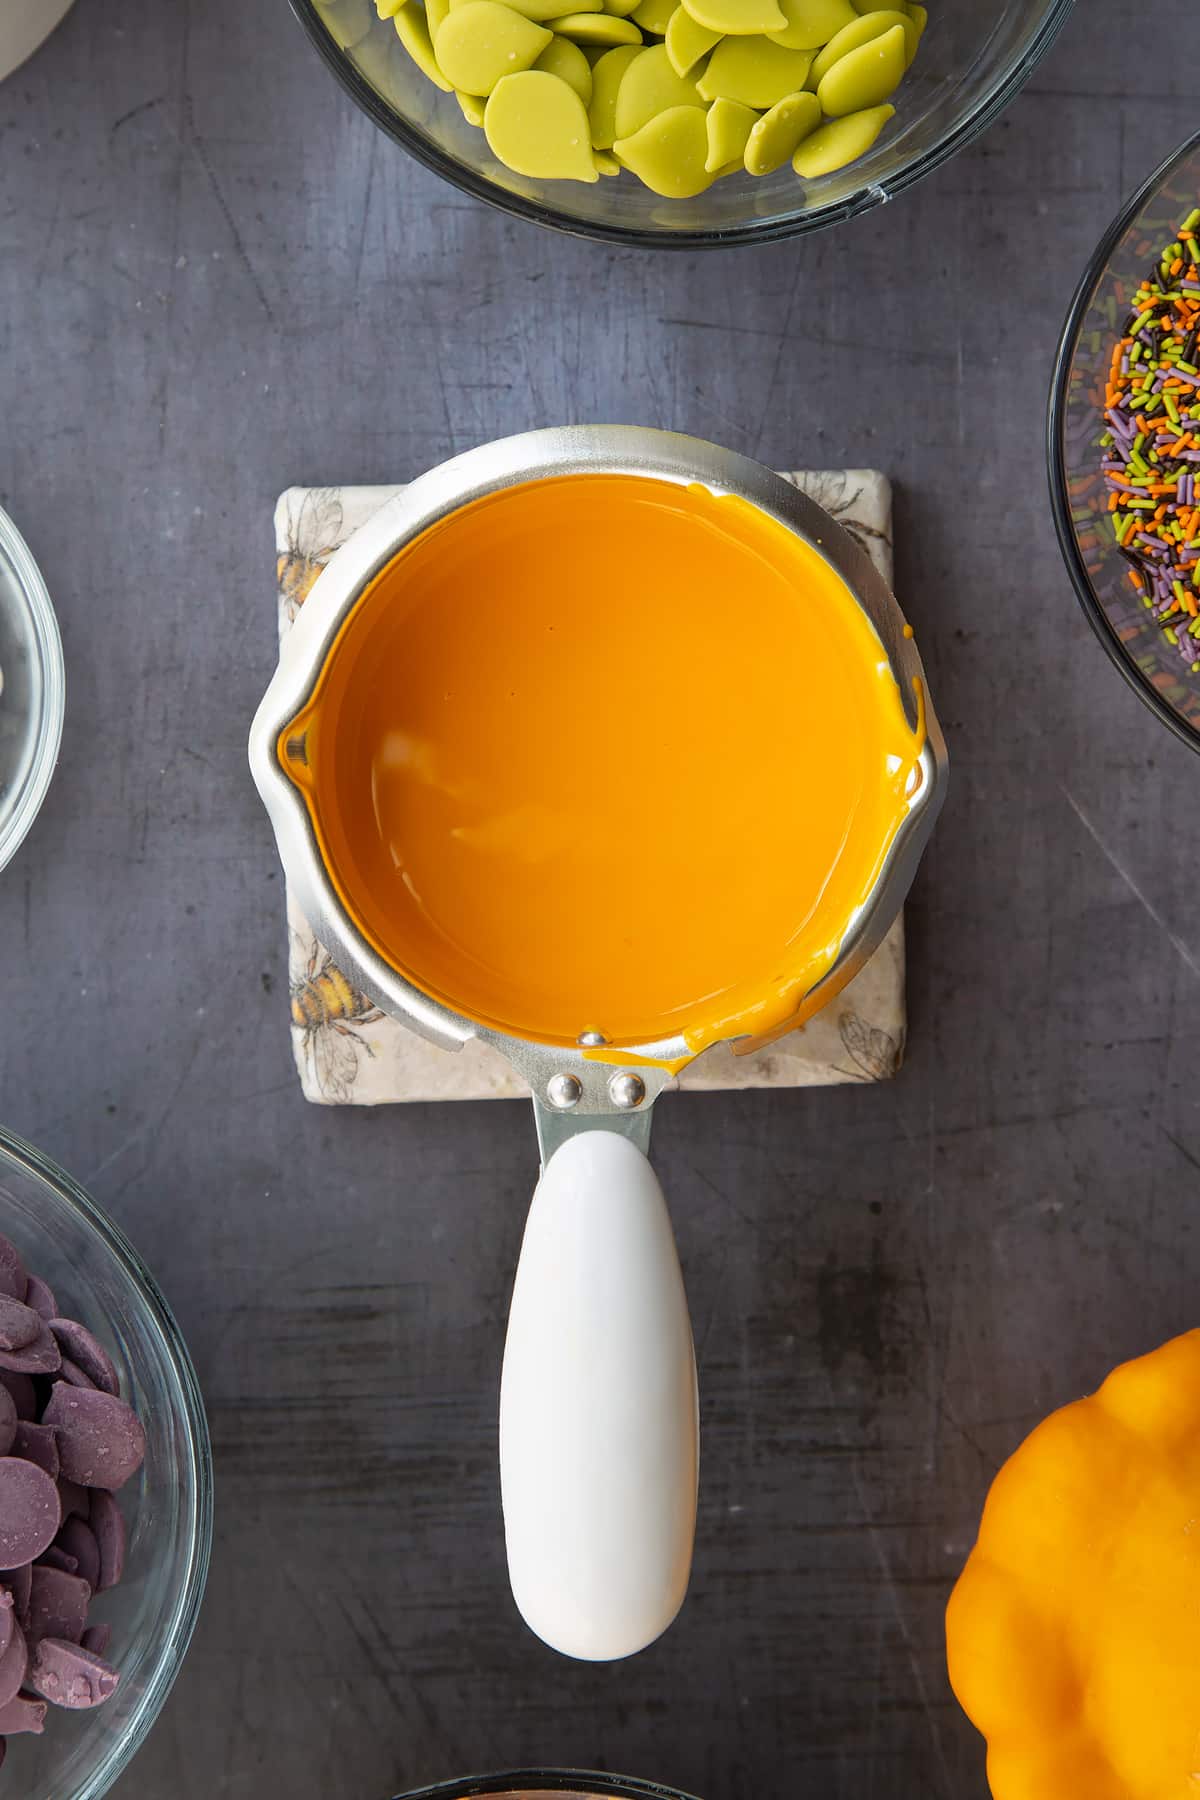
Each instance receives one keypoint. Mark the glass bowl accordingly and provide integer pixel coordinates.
(1136, 643)
(32, 690)
(974, 57)
(523, 1784)
(98, 1278)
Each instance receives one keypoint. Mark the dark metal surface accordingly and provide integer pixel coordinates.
(215, 279)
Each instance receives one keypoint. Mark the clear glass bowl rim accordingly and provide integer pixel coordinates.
(551, 1781)
(177, 1631)
(1060, 500)
(975, 121)
(54, 688)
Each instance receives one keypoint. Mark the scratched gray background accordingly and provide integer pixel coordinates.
(216, 279)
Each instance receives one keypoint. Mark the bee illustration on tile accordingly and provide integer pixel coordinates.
(314, 532)
(876, 1054)
(833, 491)
(326, 1008)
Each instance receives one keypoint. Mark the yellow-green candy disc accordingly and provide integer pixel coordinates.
(482, 42)
(860, 31)
(865, 77)
(686, 41)
(839, 142)
(606, 162)
(729, 125)
(653, 15)
(649, 86)
(387, 9)
(566, 60)
(607, 75)
(776, 135)
(754, 71)
(742, 18)
(413, 33)
(472, 107)
(537, 125)
(669, 154)
(597, 28)
(811, 23)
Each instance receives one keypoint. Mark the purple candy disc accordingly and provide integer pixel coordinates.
(8, 1618)
(37, 1444)
(8, 1421)
(41, 1357)
(54, 1558)
(58, 1605)
(40, 1296)
(74, 1374)
(97, 1638)
(30, 1511)
(24, 1395)
(18, 1581)
(13, 1665)
(74, 1499)
(19, 1324)
(24, 1713)
(107, 1524)
(87, 1353)
(79, 1542)
(13, 1279)
(67, 1675)
(101, 1442)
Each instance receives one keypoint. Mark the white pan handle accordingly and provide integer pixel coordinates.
(599, 1434)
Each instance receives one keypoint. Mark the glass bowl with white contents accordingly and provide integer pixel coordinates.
(32, 689)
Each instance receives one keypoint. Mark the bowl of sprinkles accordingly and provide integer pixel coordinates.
(1124, 442)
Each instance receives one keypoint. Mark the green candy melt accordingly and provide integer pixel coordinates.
(597, 28)
(472, 107)
(670, 153)
(413, 33)
(607, 75)
(686, 41)
(775, 136)
(811, 23)
(839, 142)
(537, 125)
(648, 87)
(754, 71)
(865, 77)
(729, 125)
(742, 18)
(566, 60)
(653, 15)
(860, 31)
(483, 41)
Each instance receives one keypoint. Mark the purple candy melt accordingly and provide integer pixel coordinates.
(40, 1296)
(18, 1581)
(30, 1512)
(74, 1499)
(37, 1444)
(74, 1374)
(107, 1525)
(68, 1675)
(41, 1357)
(78, 1541)
(13, 1279)
(13, 1665)
(58, 1605)
(97, 1638)
(23, 1392)
(101, 1442)
(87, 1353)
(19, 1324)
(8, 1421)
(22, 1714)
(54, 1558)
(8, 1618)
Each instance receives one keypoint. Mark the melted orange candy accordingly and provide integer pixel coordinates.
(602, 753)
